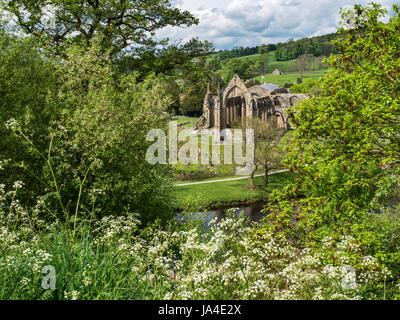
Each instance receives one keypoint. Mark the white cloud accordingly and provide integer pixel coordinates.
(229, 23)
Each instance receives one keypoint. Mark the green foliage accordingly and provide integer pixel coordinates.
(316, 46)
(236, 66)
(118, 23)
(116, 259)
(268, 153)
(192, 102)
(260, 66)
(263, 49)
(237, 52)
(247, 51)
(288, 85)
(172, 89)
(345, 149)
(380, 236)
(102, 145)
(213, 64)
(309, 86)
(95, 153)
(197, 76)
(28, 81)
(168, 60)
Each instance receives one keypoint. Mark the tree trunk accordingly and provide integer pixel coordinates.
(266, 171)
(252, 183)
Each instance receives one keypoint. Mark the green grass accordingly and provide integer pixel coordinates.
(231, 191)
(289, 66)
(291, 77)
(218, 177)
(316, 69)
(182, 119)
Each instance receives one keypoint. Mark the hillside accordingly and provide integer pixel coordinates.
(285, 66)
(284, 51)
(315, 70)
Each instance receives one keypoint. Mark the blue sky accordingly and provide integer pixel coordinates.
(229, 23)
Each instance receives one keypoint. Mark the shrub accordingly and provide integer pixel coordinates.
(345, 149)
(309, 86)
(28, 80)
(114, 259)
(96, 152)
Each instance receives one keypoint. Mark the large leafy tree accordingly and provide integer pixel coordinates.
(121, 23)
(346, 148)
(88, 156)
(27, 83)
(168, 59)
(236, 66)
(196, 76)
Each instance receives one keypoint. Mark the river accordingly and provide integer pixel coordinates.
(252, 212)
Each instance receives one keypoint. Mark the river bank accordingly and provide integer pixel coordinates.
(231, 193)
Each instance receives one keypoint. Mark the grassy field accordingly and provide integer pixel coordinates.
(231, 191)
(291, 77)
(289, 68)
(183, 119)
(285, 66)
(232, 176)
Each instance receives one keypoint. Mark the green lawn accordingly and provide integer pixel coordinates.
(231, 191)
(182, 119)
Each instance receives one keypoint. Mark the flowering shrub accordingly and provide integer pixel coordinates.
(90, 159)
(115, 259)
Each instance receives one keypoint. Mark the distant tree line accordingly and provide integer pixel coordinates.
(237, 52)
(317, 46)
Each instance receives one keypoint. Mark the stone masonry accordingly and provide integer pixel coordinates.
(238, 101)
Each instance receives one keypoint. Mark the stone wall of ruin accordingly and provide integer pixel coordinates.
(237, 101)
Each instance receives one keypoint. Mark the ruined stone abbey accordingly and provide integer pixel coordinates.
(238, 101)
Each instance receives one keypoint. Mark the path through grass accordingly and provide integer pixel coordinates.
(231, 191)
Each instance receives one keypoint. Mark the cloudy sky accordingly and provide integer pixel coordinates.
(229, 23)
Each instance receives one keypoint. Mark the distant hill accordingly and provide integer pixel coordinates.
(317, 46)
(315, 66)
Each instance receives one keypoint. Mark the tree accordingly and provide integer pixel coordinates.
(192, 101)
(95, 161)
(236, 66)
(309, 86)
(346, 148)
(120, 23)
(196, 77)
(172, 89)
(268, 153)
(316, 46)
(168, 59)
(263, 49)
(28, 81)
(2, 22)
(214, 64)
(259, 66)
(303, 63)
